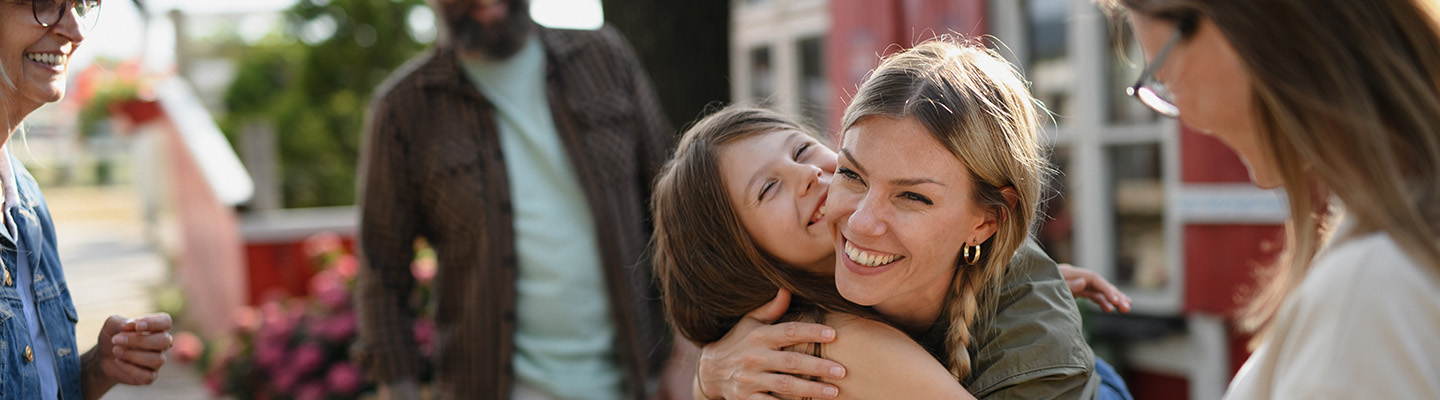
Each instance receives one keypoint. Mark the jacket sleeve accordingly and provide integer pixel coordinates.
(389, 224)
(1034, 347)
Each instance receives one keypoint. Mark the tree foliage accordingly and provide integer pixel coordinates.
(312, 84)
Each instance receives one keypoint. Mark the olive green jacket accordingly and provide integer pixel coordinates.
(1033, 346)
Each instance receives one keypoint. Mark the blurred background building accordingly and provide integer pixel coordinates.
(235, 126)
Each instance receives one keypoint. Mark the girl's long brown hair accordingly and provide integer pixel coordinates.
(710, 271)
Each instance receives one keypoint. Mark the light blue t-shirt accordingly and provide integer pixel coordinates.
(565, 332)
(40, 345)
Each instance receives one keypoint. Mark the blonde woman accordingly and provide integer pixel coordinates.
(1338, 102)
(938, 184)
(741, 210)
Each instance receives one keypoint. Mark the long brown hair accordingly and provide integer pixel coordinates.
(710, 271)
(974, 103)
(1347, 99)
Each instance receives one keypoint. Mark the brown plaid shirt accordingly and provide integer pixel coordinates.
(431, 167)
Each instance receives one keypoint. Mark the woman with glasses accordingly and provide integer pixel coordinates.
(39, 357)
(1338, 102)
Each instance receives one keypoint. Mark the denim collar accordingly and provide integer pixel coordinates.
(11, 191)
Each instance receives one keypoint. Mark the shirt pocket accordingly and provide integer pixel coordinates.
(62, 342)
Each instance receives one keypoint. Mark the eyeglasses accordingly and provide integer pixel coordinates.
(1150, 91)
(50, 12)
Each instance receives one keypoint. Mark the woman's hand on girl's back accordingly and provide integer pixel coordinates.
(748, 362)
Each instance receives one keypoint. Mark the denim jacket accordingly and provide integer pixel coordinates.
(19, 378)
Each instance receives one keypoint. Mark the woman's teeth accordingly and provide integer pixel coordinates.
(819, 215)
(47, 58)
(866, 258)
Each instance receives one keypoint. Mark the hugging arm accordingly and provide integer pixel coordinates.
(886, 363)
(750, 363)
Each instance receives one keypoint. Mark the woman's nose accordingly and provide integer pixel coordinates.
(69, 25)
(868, 218)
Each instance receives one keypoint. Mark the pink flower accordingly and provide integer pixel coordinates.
(278, 331)
(328, 287)
(337, 298)
(321, 244)
(285, 379)
(346, 266)
(247, 320)
(325, 280)
(344, 379)
(215, 381)
(425, 335)
(336, 329)
(423, 269)
(187, 347)
(310, 390)
(277, 323)
(308, 357)
(270, 354)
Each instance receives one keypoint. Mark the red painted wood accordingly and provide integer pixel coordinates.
(862, 31)
(925, 19)
(1205, 159)
(1156, 386)
(1239, 348)
(1222, 261)
(278, 270)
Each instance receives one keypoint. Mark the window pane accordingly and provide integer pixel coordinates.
(1058, 224)
(814, 91)
(762, 74)
(1049, 65)
(1139, 199)
(1126, 62)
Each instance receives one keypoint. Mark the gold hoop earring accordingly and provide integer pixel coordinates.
(969, 258)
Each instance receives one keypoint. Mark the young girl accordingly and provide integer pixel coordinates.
(739, 212)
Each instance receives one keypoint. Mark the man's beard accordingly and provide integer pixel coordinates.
(496, 41)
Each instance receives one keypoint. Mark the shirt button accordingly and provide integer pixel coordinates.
(29, 355)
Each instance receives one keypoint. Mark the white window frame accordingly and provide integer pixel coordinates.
(1086, 132)
(779, 25)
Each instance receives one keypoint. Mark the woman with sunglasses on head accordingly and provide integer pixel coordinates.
(1337, 102)
(742, 210)
(38, 358)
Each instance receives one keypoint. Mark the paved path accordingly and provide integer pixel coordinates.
(112, 269)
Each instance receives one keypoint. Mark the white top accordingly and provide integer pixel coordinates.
(1364, 324)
